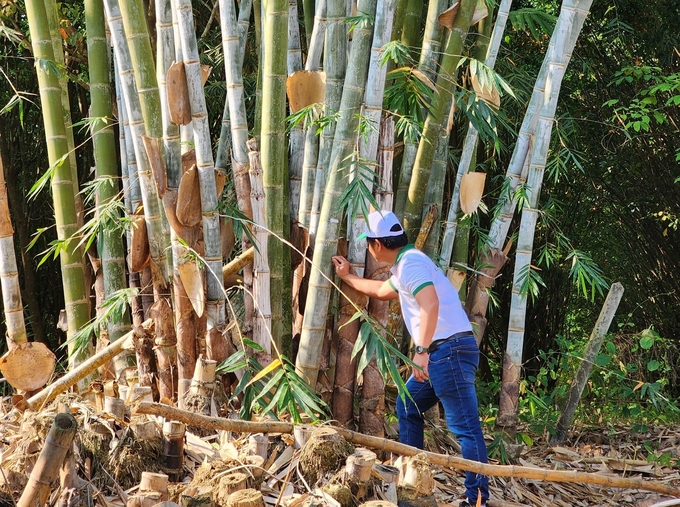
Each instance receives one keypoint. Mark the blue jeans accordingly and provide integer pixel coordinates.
(452, 371)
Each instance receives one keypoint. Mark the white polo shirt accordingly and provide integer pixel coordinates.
(411, 273)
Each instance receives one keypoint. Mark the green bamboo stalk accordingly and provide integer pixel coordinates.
(311, 149)
(111, 250)
(410, 35)
(575, 11)
(325, 245)
(206, 167)
(308, 11)
(11, 289)
(297, 133)
(64, 188)
(274, 153)
(53, 16)
(334, 65)
(470, 143)
(428, 62)
(372, 111)
(440, 107)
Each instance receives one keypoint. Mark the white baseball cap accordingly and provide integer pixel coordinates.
(382, 224)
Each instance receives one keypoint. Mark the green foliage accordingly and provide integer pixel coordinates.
(408, 96)
(275, 390)
(113, 310)
(361, 18)
(529, 281)
(586, 275)
(372, 342)
(357, 196)
(535, 21)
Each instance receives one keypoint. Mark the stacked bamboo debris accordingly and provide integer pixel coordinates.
(122, 457)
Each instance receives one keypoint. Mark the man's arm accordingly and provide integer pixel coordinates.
(372, 288)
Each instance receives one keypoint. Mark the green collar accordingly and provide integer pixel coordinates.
(401, 253)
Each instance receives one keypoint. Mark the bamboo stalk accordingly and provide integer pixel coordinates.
(262, 324)
(428, 62)
(50, 392)
(470, 143)
(103, 139)
(334, 65)
(46, 469)
(206, 167)
(11, 289)
(64, 187)
(326, 241)
(311, 147)
(274, 158)
(383, 444)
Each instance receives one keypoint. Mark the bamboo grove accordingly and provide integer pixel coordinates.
(218, 220)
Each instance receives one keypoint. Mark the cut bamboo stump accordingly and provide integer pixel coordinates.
(257, 445)
(245, 498)
(173, 448)
(325, 452)
(301, 434)
(358, 471)
(416, 482)
(202, 387)
(385, 445)
(46, 469)
(230, 484)
(153, 489)
(144, 430)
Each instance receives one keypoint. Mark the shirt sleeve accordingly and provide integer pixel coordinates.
(417, 275)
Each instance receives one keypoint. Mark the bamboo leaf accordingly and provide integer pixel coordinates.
(265, 371)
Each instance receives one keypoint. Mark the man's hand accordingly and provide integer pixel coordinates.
(421, 360)
(342, 266)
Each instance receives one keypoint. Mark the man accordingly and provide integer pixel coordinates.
(446, 353)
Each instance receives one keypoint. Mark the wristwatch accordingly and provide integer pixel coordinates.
(421, 350)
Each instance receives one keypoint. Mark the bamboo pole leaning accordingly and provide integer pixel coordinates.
(46, 469)
(385, 445)
(50, 392)
(576, 10)
(586, 366)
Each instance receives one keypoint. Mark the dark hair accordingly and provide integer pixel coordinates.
(392, 242)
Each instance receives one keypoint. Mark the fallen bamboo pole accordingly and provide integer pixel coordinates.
(50, 392)
(383, 444)
(235, 265)
(46, 469)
